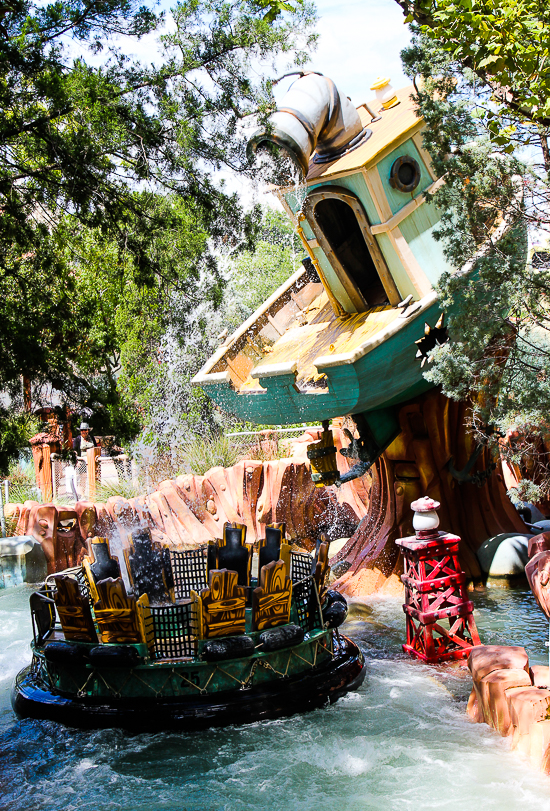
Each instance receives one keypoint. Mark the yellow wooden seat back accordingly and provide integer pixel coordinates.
(285, 556)
(272, 598)
(219, 610)
(120, 618)
(73, 610)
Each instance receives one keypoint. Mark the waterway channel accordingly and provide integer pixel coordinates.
(402, 742)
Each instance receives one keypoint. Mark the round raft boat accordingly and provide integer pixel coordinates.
(197, 649)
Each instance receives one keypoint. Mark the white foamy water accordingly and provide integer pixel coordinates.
(401, 743)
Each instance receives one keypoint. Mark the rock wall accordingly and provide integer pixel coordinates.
(374, 510)
(190, 510)
(513, 698)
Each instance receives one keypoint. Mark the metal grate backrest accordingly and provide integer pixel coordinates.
(300, 566)
(305, 602)
(42, 614)
(189, 570)
(83, 585)
(172, 631)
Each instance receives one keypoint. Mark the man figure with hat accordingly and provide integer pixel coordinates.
(85, 440)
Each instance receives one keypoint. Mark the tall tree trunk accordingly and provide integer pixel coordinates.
(27, 393)
(433, 434)
(545, 151)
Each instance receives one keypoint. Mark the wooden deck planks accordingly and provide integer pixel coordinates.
(324, 334)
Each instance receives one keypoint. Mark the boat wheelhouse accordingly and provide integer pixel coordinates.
(343, 334)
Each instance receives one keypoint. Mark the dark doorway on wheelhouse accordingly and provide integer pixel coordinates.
(342, 230)
(339, 224)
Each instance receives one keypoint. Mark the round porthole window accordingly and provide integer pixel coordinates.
(405, 174)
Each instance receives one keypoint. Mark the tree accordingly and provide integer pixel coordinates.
(156, 374)
(499, 318)
(87, 146)
(253, 275)
(507, 45)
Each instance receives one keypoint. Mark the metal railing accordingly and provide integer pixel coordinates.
(74, 482)
(277, 430)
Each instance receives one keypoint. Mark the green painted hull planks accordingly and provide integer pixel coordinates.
(191, 695)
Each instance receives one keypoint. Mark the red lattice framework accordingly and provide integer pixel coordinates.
(440, 621)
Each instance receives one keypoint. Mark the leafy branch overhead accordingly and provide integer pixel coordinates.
(505, 42)
(104, 155)
(498, 317)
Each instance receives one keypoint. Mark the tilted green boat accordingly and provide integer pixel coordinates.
(348, 333)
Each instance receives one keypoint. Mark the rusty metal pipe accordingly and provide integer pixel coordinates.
(314, 117)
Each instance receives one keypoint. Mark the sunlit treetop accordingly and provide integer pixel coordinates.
(506, 42)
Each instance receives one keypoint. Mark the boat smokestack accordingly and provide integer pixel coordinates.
(314, 118)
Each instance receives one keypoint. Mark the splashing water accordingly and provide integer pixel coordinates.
(401, 743)
(275, 166)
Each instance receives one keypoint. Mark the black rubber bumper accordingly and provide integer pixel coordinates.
(284, 697)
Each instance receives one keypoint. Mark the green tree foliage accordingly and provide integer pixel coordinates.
(90, 141)
(507, 45)
(174, 414)
(255, 274)
(15, 432)
(499, 318)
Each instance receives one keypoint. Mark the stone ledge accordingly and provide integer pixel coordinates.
(513, 698)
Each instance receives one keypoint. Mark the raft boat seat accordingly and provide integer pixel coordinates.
(219, 610)
(232, 552)
(271, 600)
(99, 565)
(43, 617)
(273, 546)
(73, 610)
(121, 618)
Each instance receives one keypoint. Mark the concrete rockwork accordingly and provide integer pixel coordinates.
(22, 560)
(513, 698)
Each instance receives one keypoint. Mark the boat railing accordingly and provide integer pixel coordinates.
(43, 614)
(189, 571)
(300, 566)
(305, 598)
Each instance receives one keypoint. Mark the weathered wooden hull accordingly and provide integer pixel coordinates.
(387, 374)
(276, 697)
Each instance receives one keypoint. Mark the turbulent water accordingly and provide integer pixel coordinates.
(402, 742)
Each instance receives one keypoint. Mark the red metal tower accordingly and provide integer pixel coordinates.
(440, 621)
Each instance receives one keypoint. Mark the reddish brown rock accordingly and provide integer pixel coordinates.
(58, 531)
(504, 697)
(483, 659)
(539, 745)
(538, 543)
(193, 509)
(23, 527)
(473, 709)
(527, 706)
(369, 581)
(537, 571)
(540, 675)
(492, 694)
(87, 518)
